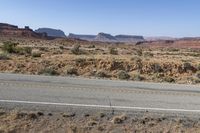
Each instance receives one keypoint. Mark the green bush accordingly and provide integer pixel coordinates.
(49, 71)
(9, 47)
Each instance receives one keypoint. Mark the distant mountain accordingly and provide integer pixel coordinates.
(8, 30)
(82, 37)
(104, 37)
(129, 38)
(51, 32)
(159, 38)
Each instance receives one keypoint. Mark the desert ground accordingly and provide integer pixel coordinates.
(19, 121)
(160, 61)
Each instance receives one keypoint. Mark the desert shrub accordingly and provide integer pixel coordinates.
(138, 52)
(113, 51)
(138, 62)
(28, 50)
(123, 75)
(172, 49)
(9, 47)
(36, 54)
(80, 61)
(49, 71)
(76, 49)
(168, 79)
(157, 68)
(101, 74)
(138, 77)
(195, 80)
(187, 66)
(43, 49)
(23, 50)
(136, 59)
(91, 46)
(4, 56)
(148, 54)
(197, 75)
(198, 67)
(61, 47)
(119, 119)
(72, 71)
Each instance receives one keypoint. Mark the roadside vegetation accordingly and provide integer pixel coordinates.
(101, 60)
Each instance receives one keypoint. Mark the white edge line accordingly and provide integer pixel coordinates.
(99, 106)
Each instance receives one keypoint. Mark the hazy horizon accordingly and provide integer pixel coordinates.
(131, 17)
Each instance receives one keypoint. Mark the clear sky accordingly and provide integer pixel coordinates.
(176, 18)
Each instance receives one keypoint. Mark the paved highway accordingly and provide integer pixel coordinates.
(21, 91)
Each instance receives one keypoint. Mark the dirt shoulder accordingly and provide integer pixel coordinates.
(15, 121)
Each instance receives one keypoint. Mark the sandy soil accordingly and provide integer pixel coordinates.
(15, 121)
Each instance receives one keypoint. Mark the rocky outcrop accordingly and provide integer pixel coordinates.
(82, 37)
(51, 32)
(8, 30)
(104, 37)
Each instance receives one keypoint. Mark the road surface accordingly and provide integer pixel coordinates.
(23, 91)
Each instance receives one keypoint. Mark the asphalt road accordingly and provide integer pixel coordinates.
(22, 91)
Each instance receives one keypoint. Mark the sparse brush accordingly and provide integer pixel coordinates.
(36, 54)
(48, 71)
(148, 54)
(101, 74)
(76, 49)
(188, 67)
(123, 75)
(72, 71)
(61, 47)
(138, 52)
(80, 61)
(4, 56)
(9, 47)
(157, 68)
(113, 51)
(168, 79)
(138, 77)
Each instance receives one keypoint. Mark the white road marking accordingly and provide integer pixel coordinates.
(100, 106)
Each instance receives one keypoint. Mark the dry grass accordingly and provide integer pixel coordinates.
(141, 63)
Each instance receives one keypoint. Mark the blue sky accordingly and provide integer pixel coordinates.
(176, 18)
